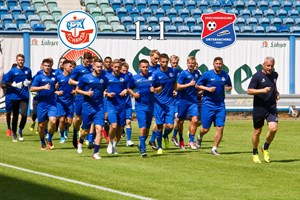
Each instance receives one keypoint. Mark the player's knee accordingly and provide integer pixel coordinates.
(273, 129)
(257, 131)
(113, 126)
(204, 130)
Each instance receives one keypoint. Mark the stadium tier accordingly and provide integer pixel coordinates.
(182, 16)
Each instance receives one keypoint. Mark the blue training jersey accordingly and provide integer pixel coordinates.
(98, 84)
(167, 80)
(189, 94)
(128, 100)
(211, 79)
(8, 88)
(59, 71)
(78, 72)
(153, 68)
(47, 96)
(142, 84)
(63, 85)
(117, 84)
(19, 75)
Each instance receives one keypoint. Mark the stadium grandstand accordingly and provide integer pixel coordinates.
(180, 16)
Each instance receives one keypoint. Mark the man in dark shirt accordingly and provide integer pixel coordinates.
(263, 87)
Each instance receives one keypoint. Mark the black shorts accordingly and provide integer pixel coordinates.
(261, 113)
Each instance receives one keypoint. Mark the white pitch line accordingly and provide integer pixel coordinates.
(76, 182)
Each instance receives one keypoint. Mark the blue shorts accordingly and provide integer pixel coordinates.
(105, 104)
(92, 115)
(199, 110)
(129, 112)
(184, 109)
(216, 115)
(45, 111)
(78, 105)
(65, 110)
(164, 114)
(176, 106)
(8, 104)
(116, 116)
(144, 117)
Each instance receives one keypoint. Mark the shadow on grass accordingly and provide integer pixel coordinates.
(237, 152)
(286, 161)
(12, 188)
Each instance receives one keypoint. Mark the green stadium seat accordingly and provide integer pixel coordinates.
(51, 3)
(42, 11)
(103, 4)
(47, 19)
(105, 28)
(108, 12)
(37, 3)
(89, 4)
(100, 20)
(118, 28)
(113, 20)
(51, 27)
(95, 12)
(57, 18)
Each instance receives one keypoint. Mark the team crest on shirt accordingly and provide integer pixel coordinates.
(263, 80)
(101, 81)
(275, 80)
(223, 78)
(26, 72)
(53, 79)
(150, 78)
(170, 74)
(121, 79)
(196, 75)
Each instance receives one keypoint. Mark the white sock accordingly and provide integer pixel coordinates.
(214, 148)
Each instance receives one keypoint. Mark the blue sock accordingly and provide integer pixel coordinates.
(153, 136)
(20, 132)
(192, 138)
(90, 137)
(175, 132)
(128, 133)
(166, 133)
(46, 131)
(96, 148)
(143, 143)
(159, 139)
(87, 137)
(180, 137)
(43, 141)
(266, 145)
(62, 134)
(50, 138)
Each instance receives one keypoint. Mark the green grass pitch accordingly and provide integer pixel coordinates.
(177, 174)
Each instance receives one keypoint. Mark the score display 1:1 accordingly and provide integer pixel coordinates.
(161, 31)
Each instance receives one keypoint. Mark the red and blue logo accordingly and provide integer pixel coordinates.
(77, 30)
(218, 29)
